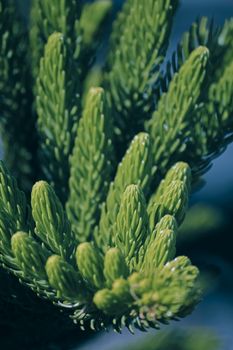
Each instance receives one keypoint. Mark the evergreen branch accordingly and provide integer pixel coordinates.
(172, 286)
(114, 266)
(52, 225)
(135, 168)
(124, 271)
(12, 200)
(30, 256)
(16, 99)
(216, 117)
(137, 51)
(90, 166)
(65, 279)
(90, 265)
(49, 16)
(201, 33)
(103, 290)
(169, 126)
(132, 224)
(58, 110)
(209, 134)
(161, 250)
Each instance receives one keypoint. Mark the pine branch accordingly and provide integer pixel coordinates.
(209, 134)
(49, 16)
(169, 126)
(102, 290)
(52, 225)
(135, 168)
(58, 111)
(15, 103)
(109, 257)
(139, 40)
(91, 166)
(132, 225)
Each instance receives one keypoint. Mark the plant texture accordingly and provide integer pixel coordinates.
(97, 235)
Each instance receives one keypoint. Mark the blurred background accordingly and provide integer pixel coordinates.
(210, 245)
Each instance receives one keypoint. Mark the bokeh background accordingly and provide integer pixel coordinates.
(215, 249)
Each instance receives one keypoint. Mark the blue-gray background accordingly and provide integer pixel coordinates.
(216, 311)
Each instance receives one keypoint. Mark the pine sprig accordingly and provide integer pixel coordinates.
(16, 98)
(169, 126)
(101, 283)
(139, 40)
(91, 166)
(52, 225)
(58, 111)
(48, 17)
(135, 168)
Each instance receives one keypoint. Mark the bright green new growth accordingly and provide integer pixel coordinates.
(138, 44)
(132, 224)
(58, 109)
(91, 166)
(48, 17)
(52, 225)
(135, 168)
(16, 99)
(169, 126)
(99, 238)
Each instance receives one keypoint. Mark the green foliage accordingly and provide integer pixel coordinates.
(64, 279)
(114, 266)
(30, 255)
(131, 225)
(91, 165)
(58, 110)
(48, 17)
(16, 99)
(90, 264)
(135, 168)
(99, 238)
(139, 40)
(169, 126)
(52, 225)
(212, 129)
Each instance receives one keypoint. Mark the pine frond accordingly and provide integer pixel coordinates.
(135, 168)
(91, 166)
(114, 266)
(65, 279)
(16, 98)
(140, 38)
(132, 225)
(58, 111)
(52, 225)
(90, 265)
(169, 126)
(49, 16)
(209, 136)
